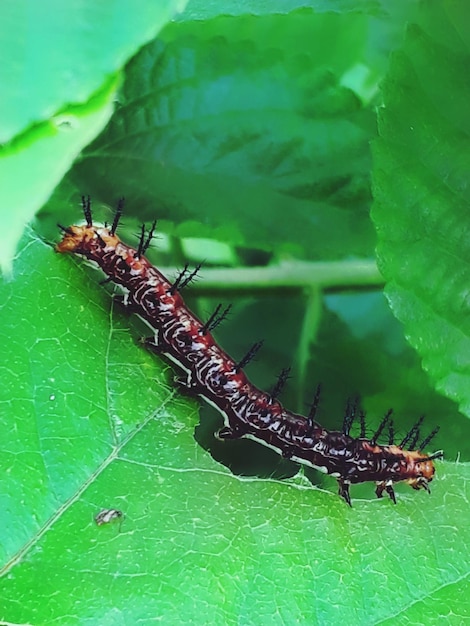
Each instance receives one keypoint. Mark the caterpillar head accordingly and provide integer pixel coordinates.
(423, 470)
(81, 239)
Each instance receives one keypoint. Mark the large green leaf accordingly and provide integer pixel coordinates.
(91, 421)
(228, 125)
(422, 193)
(206, 9)
(40, 158)
(55, 55)
(59, 72)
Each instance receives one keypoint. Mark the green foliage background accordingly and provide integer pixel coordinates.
(250, 131)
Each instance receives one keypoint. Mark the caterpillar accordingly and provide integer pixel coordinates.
(210, 373)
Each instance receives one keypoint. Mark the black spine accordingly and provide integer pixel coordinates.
(349, 415)
(383, 423)
(249, 356)
(428, 439)
(362, 424)
(314, 406)
(412, 435)
(117, 216)
(280, 383)
(215, 319)
(191, 276)
(141, 245)
(86, 206)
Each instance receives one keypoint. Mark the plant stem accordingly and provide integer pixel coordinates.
(325, 275)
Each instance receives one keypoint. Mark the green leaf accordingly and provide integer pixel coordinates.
(54, 55)
(43, 155)
(384, 21)
(91, 421)
(230, 126)
(422, 195)
(58, 73)
(207, 9)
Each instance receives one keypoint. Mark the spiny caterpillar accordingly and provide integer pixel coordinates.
(213, 375)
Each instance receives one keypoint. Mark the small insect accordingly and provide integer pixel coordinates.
(108, 515)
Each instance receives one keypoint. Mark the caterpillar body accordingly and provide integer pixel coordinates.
(213, 375)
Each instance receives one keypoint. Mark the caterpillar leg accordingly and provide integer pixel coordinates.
(388, 487)
(122, 300)
(185, 383)
(230, 432)
(420, 483)
(152, 344)
(288, 453)
(343, 491)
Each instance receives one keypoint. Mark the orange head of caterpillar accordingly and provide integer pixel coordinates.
(82, 239)
(72, 239)
(421, 469)
(415, 468)
(86, 238)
